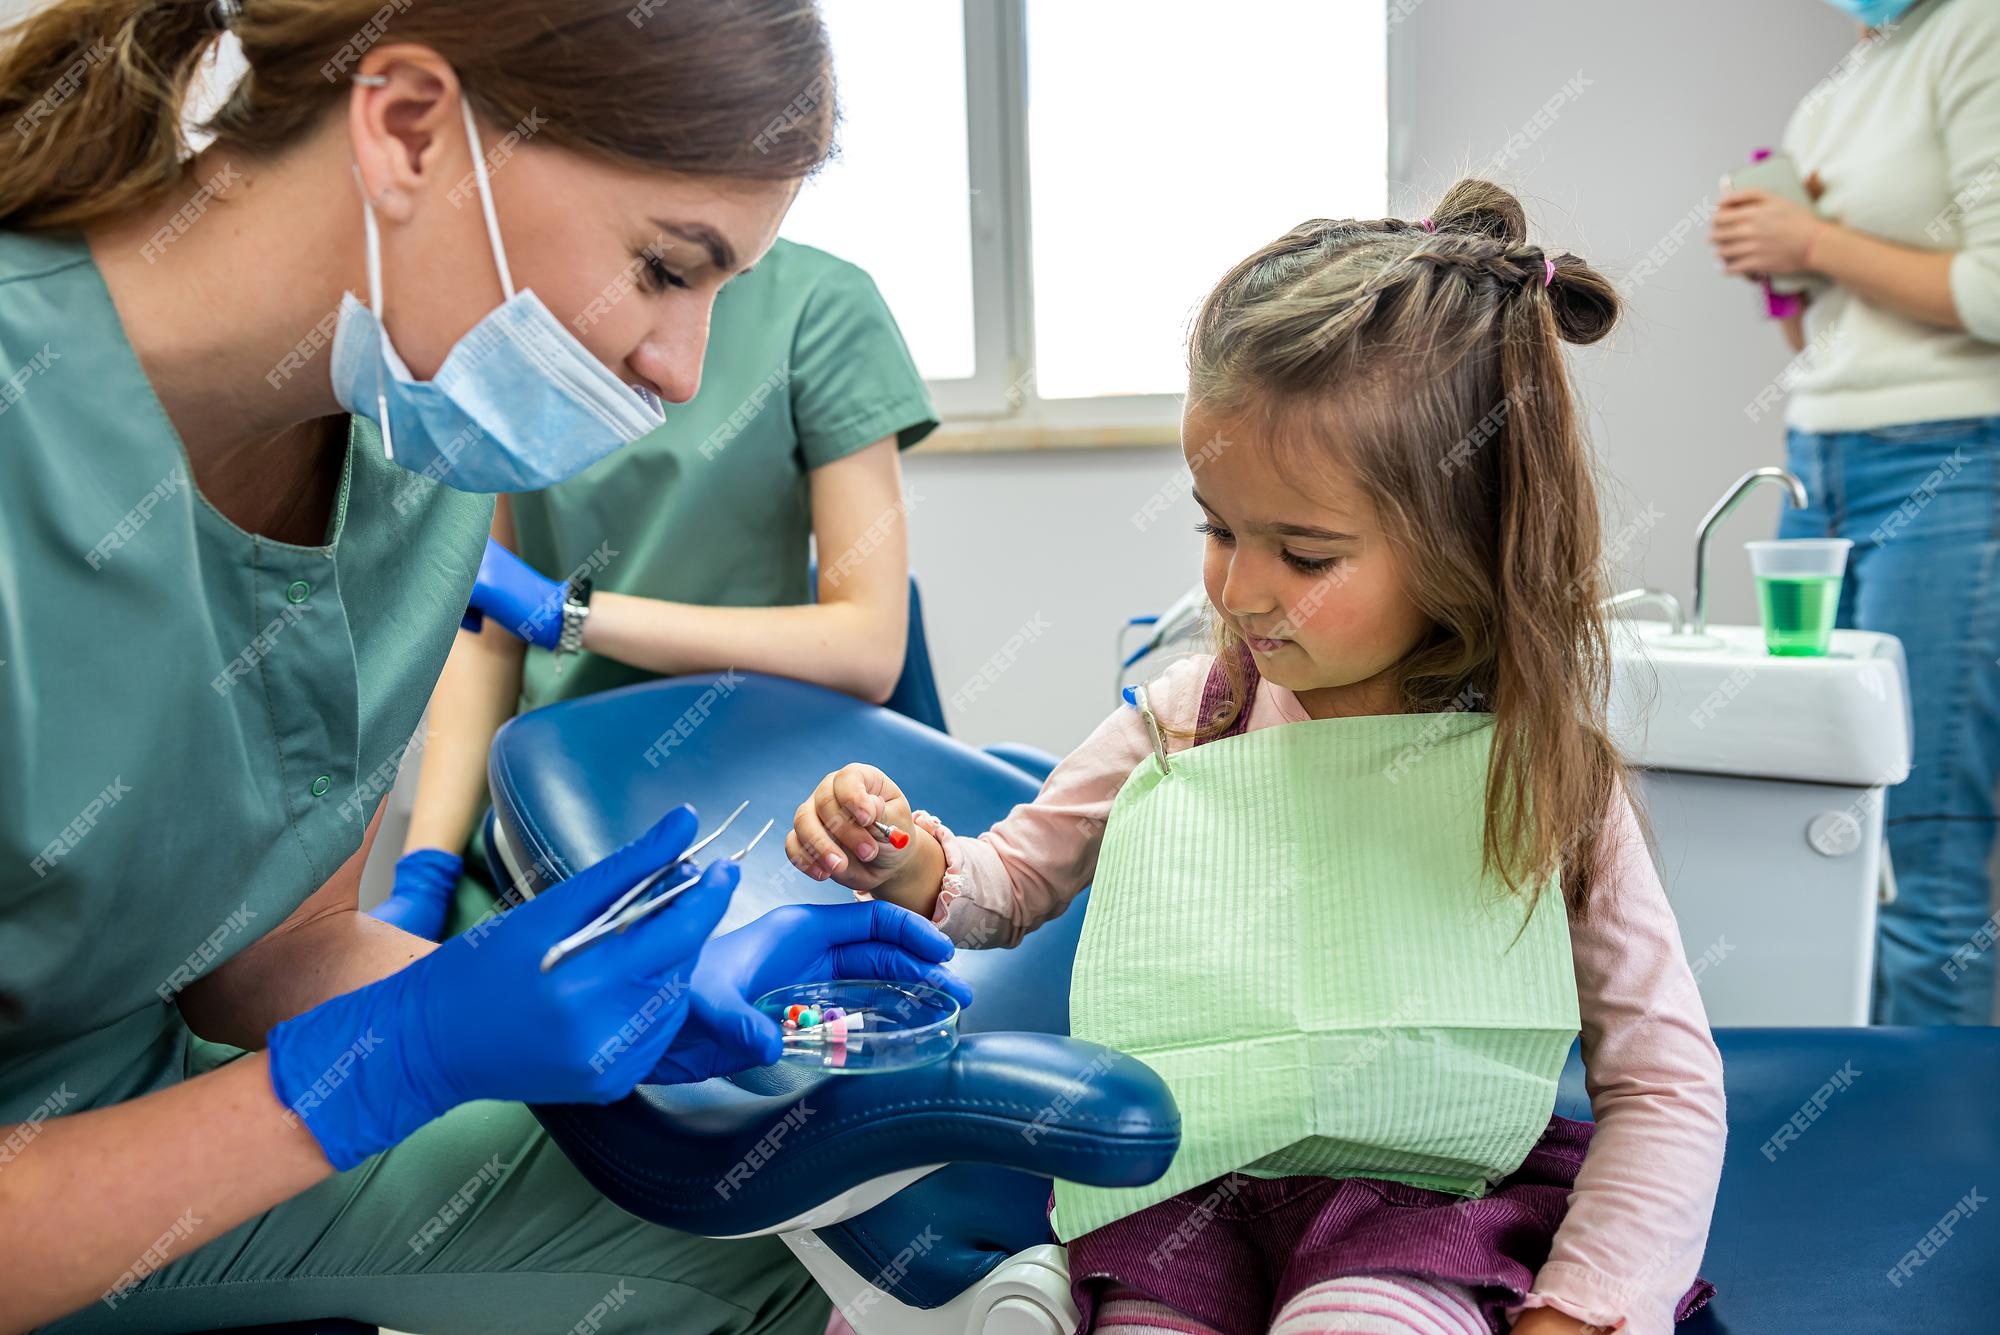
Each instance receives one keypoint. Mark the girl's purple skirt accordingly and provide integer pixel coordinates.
(1231, 1253)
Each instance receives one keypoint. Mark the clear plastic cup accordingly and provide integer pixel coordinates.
(1798, 591)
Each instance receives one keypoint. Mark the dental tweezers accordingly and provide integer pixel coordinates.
(624, 912)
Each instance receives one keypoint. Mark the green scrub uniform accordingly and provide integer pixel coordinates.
(196, 724)
(805, 366)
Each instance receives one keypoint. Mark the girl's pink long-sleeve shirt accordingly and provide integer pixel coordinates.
(1638, 1220)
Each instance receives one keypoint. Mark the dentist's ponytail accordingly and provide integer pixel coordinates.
(93, 92)
(90, 102)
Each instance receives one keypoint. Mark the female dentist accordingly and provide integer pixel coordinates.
(221, 613)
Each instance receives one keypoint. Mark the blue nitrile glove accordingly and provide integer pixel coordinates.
(799, 943)
(526, 603)
(478, 1019)
(425, 879)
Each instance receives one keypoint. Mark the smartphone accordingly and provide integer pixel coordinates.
(1776, 174)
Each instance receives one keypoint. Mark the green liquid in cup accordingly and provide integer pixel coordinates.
(1798, 613)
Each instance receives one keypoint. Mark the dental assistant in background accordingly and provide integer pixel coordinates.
(695, 543)
(1893, 424)
(222, 608)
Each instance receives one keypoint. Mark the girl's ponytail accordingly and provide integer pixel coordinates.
(1555, 770)
(91, 91)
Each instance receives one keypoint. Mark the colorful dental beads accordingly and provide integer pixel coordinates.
(811, 1017)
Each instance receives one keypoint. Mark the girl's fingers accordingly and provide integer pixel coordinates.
(859, 790)
(814, 838)
(832, 833)
(800, 859)
(838, 818)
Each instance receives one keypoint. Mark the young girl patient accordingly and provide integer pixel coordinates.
(1363, 875)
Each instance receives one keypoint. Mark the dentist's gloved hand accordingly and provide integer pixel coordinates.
(526, 603)
(425, 879)
(478, 1019)
(799, 943)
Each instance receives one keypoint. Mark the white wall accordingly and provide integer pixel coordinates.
(1676, 95)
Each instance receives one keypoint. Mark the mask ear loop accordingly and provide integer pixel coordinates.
(374, 248)
(486, 196)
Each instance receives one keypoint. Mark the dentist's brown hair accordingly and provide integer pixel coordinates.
(91, 91)
(1426, 363)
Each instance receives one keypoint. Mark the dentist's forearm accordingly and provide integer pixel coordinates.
(848, 647)
(288, 973)
(323, 948)
(93, 1202)
(476, 693)
(1913, 283)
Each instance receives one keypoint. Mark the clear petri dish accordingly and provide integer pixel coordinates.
(862, 1027)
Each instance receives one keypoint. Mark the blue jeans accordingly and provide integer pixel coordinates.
(1921, 503)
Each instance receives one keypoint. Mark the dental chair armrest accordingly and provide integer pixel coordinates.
(1033, 761)
(718, 1160)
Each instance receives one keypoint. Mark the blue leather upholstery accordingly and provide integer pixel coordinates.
(1030, 760)
(1805, 1236)
(1802, 1240)
(575, 780)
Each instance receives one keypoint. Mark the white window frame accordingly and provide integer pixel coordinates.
(1000, 393)
(997, 407)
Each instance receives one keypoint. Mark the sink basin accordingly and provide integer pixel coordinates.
(1734, 709)
(1762, 780)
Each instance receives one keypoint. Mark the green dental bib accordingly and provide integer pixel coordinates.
(1293, 927)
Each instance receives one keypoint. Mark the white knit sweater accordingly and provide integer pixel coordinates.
(1905, 135)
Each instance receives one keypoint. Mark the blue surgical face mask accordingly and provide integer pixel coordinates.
(1874, 13)
(519, 403)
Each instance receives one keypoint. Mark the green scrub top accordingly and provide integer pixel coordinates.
(195, 722)
(805, 366)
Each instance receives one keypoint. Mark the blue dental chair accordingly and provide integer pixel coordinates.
(1807, 1232)
(917, 1200)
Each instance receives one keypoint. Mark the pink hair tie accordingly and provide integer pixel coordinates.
(1549, 275)
(1427, 224)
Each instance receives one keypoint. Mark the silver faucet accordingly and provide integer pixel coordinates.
(1634, 597)
(1729, 501)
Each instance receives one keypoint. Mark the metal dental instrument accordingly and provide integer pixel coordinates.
(1137, 698)
(889, 834)
(693, 851)
(669, 895)
(622, 914)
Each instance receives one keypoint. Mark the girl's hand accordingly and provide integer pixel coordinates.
(1548, 1321)
(1756, 234)
(831, 838)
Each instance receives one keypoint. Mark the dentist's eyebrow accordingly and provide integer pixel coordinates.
(1286, 530)
(720, 253)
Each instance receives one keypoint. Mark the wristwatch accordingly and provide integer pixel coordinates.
(575, 610)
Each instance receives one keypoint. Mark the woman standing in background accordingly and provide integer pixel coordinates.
(1894, 427)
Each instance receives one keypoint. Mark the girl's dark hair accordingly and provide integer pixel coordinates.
(93, 89)
(1426, 362)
